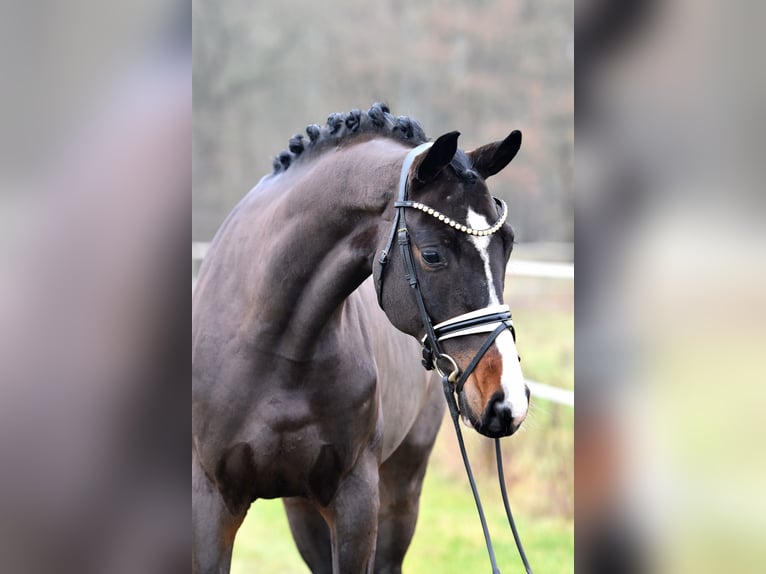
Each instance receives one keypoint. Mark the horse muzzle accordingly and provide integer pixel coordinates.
(492, 371)
(498, 419)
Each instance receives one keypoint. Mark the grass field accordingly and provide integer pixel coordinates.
(538, 467)
(448, 538)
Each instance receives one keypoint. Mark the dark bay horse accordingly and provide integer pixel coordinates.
(305, 385)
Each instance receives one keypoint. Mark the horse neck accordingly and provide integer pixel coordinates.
(320, 243)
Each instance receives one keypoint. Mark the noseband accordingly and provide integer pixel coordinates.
(493, 319)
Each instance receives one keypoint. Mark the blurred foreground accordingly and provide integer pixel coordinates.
(95, 148)
(671, 281)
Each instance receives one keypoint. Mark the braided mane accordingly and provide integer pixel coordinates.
(341, 127)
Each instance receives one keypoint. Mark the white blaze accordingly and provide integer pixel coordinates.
(512, 380)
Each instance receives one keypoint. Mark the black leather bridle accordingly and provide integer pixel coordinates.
(490, 319)
(493, 320)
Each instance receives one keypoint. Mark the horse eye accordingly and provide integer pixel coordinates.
(431, 257)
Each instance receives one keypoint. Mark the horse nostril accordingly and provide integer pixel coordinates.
(526, 392)
(500, 409)
(499, 418)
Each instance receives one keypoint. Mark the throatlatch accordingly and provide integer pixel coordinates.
(493, 319)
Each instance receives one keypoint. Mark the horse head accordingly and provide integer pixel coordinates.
(444, 263)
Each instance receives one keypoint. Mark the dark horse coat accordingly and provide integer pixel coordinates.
(302, 386)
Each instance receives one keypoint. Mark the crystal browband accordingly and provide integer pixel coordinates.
(459, 226)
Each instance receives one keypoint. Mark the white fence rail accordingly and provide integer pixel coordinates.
(199, 250)
(518, 268)
(541, 269)
(549, 393)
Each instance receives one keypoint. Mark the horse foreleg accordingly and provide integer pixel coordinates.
(213, 525)
(311, 534)
(352, 515)
(401, 480)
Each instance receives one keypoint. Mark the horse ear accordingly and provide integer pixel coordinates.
(437, 157)
(489, 159)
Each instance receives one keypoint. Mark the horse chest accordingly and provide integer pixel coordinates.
(306, 435)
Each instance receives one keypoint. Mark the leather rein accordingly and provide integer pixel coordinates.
(493, 319)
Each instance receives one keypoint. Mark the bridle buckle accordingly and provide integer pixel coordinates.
(454, 373)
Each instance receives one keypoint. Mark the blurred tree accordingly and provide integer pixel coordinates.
(264, 70)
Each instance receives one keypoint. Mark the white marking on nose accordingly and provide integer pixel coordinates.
(512, 380)
(482, 246)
